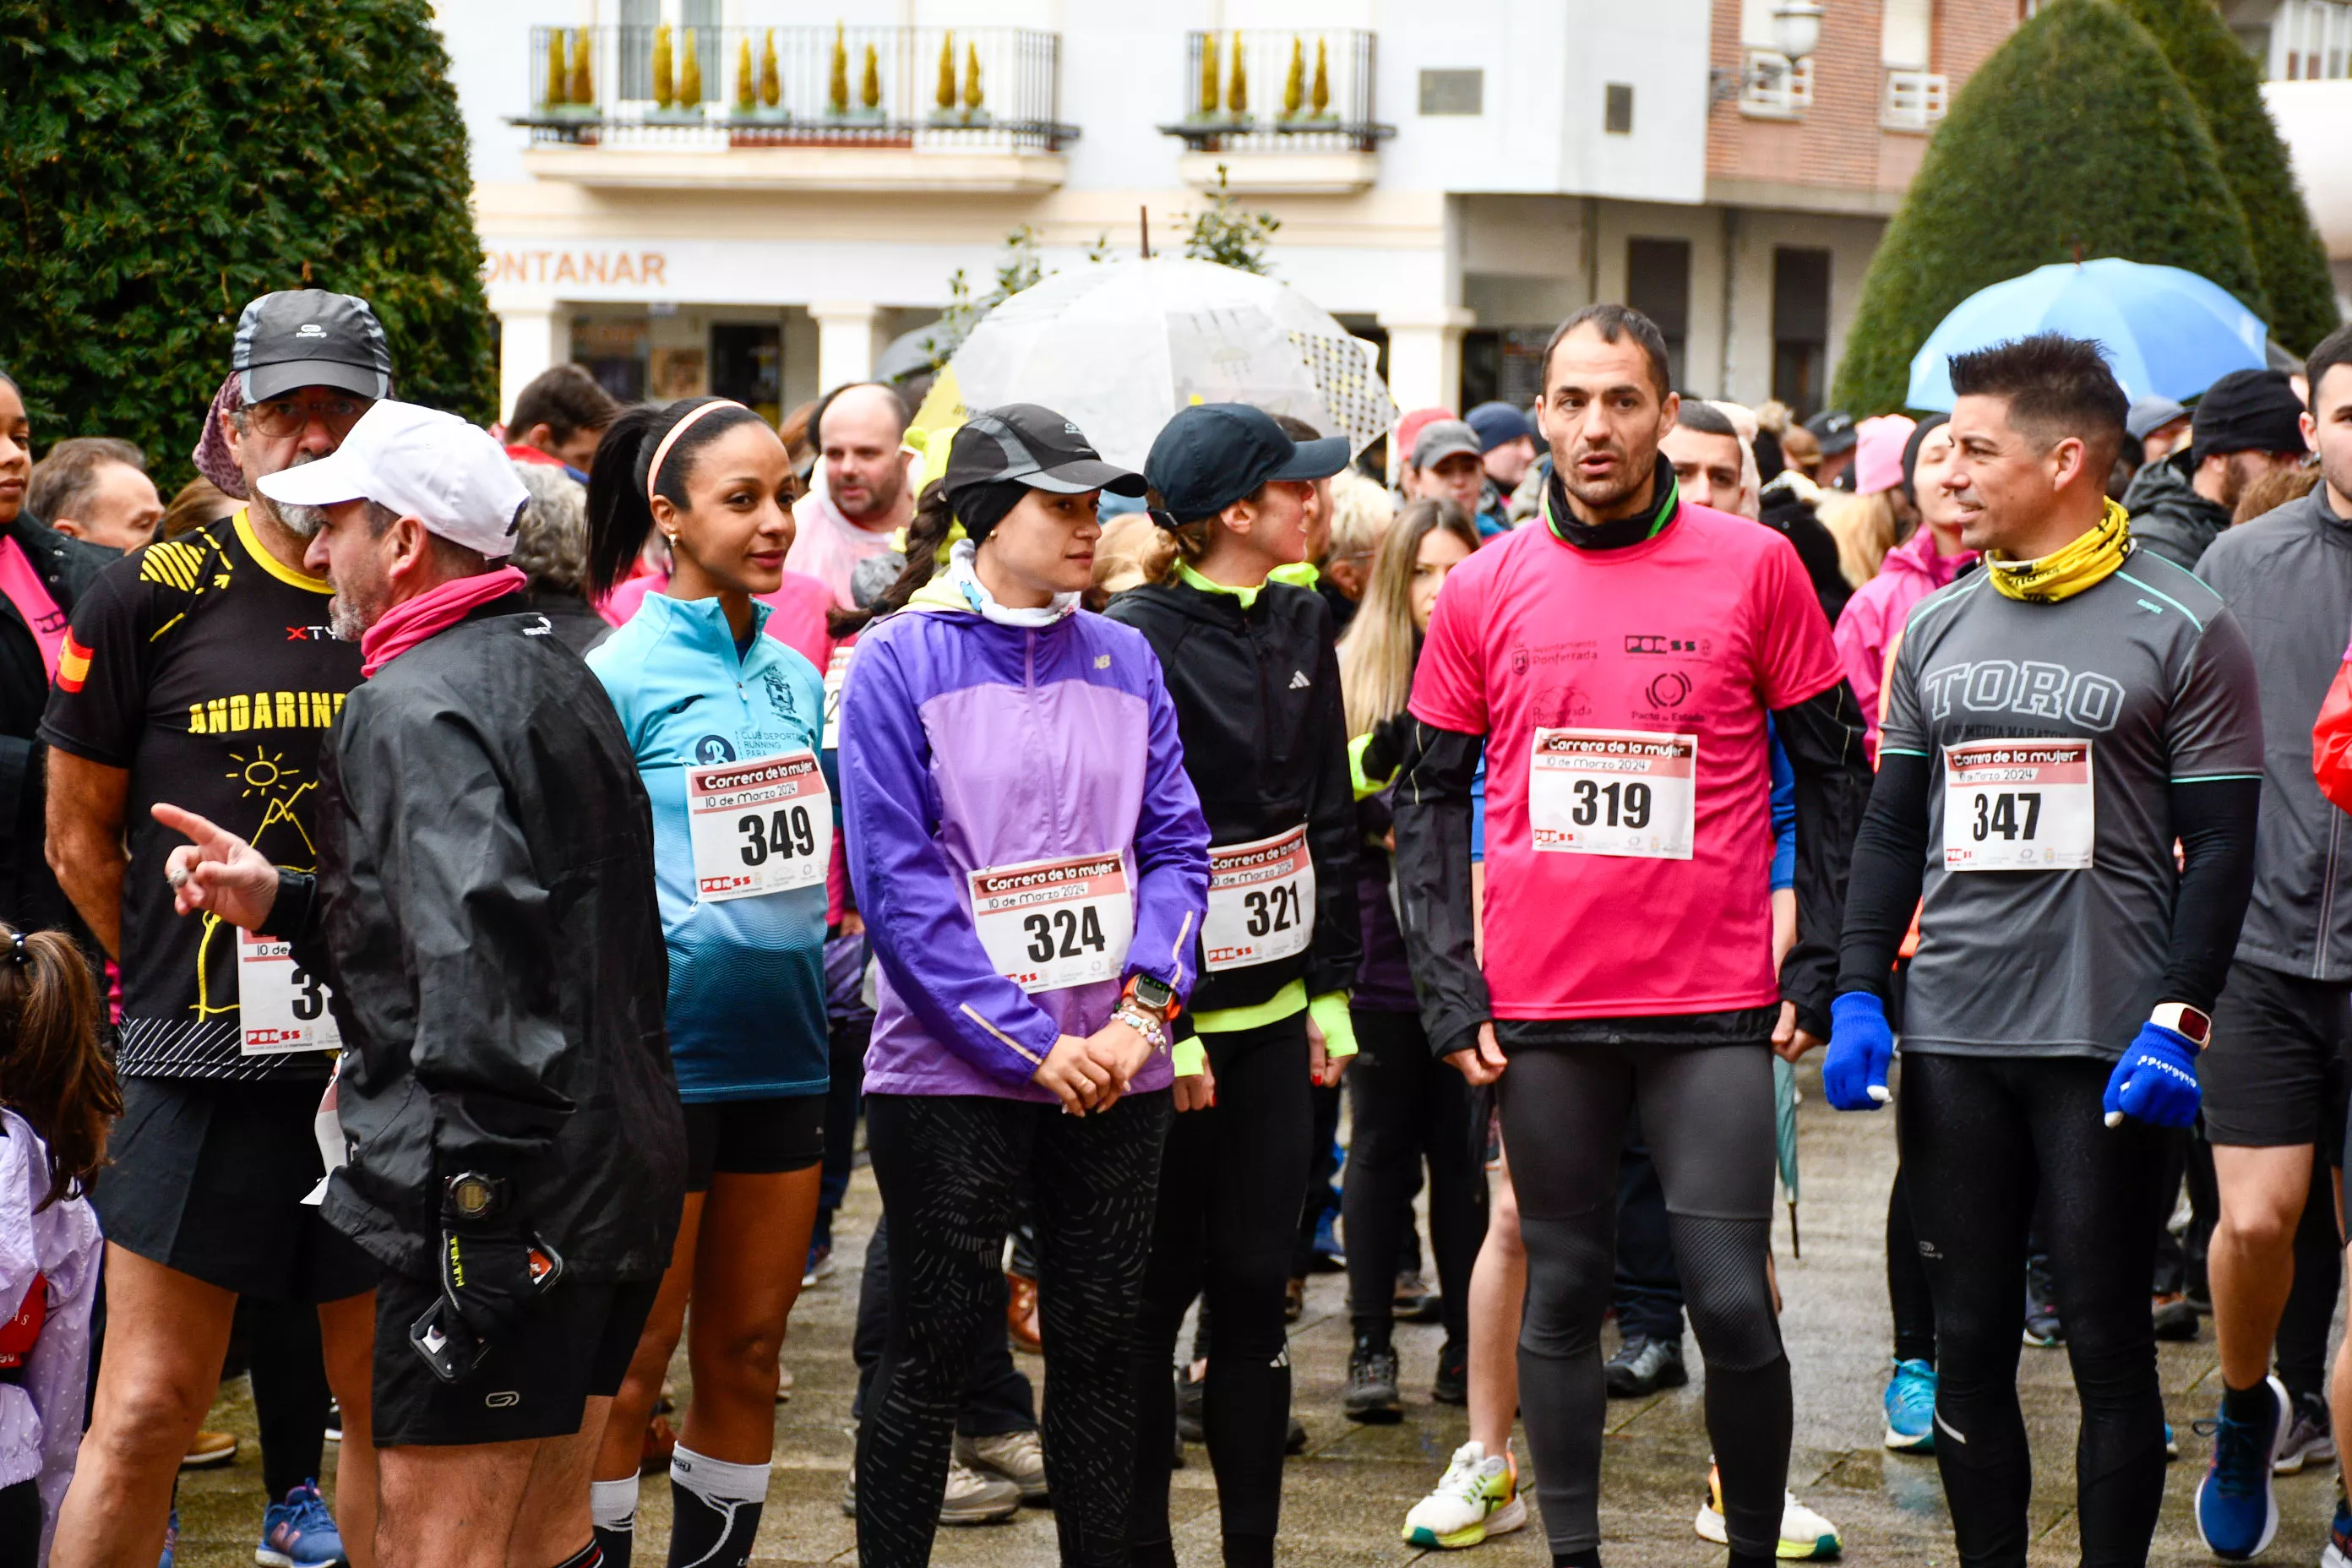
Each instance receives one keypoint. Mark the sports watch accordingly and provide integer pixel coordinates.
(471, 1196)
(1154, 996)
(2183, 1019)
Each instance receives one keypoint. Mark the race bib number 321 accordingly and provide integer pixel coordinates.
(1261, 901)
(760, 827)
(2019, 805)
(281, 1008)
(1629, 793)
(1048, 924)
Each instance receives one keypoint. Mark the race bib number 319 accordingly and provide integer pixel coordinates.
(2019, 805)
(281, 1008)
(1630, 792)
(1048, 924)
(759, 826)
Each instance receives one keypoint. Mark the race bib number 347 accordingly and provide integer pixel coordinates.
(1048, 924)
(1261, 901)
(1630, 792)
(281, 1008)
(759, 826)
(2019, 805)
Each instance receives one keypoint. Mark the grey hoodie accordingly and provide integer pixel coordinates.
(2169, 517)
(2287, 576)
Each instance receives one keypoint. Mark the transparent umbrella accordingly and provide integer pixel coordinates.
(1118, 347)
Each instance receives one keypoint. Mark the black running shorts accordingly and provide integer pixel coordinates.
(208, 1176)
(2277, 1069)
(577, 1347)
(752, 1137)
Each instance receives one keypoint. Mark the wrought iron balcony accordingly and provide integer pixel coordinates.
(946, 89)
(1277, 91)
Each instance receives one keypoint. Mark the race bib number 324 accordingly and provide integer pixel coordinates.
(2019, 805)
(760, 827)
(1630, 792)
(1048, 924)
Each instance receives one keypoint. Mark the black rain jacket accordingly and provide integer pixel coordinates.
(1265, 743)
(485, 911)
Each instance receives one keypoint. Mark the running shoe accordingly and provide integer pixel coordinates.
(1642, 1365)
(209, 1448)
(334, 1421)
(2042, 1328)
(1477, 1498)
(1327, 1257)
(1021, 1313)
(1452, 1384)
(1295, 1440)
(820, 1266)
(2174, 1318)
(1017, 1456)
(300, 1532)
(2171, 1444)
(974, 1497)
(1911, 1408)
(1371, 1394)
(1805, 1536)
(1294, 1300)
(2237, 1512)
(170, 1540)
(2337, 1554)
(1415, 1301)
(2310, 1437)
(784, 1384)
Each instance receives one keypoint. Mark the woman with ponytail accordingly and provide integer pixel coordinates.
(1031, 862)
(58, 1098)
(726, 725)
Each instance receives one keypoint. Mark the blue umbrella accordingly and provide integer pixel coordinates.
(2165, 332)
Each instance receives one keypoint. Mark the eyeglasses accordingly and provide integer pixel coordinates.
(288, 416)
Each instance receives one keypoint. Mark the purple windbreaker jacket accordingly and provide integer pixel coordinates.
(966, 744)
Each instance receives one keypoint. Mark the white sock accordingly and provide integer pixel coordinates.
(613, 1505)
(716, 1479)
(715, 1510)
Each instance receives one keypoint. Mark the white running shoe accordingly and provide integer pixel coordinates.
(1476, 1498)
(1805, 1536)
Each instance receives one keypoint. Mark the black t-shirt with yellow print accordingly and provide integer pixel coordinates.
(203, 666)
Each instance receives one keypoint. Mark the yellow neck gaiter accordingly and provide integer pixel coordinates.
(2064, 573)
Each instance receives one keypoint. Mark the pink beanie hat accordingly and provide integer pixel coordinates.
(1878, 452)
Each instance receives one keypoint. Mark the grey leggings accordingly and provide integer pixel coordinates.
(1708, 1115)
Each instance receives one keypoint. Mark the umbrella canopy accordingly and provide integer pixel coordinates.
(1118, 347)
(2165, 332)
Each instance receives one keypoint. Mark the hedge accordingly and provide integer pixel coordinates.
(165, 161)
(2074, 139)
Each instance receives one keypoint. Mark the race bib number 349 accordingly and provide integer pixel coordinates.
(1261, 901)
(759, 826)
(1630, 792)
(281, 1008)
(1048, 924)
(2019, 805)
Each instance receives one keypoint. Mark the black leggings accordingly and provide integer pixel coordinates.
(1408, 1106)
(1230, 1189)
(1907, 1279)
(1983, 1139)
(946, 1166)
(1708, 1113)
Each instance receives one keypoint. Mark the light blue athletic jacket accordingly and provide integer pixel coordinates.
(746, 1009)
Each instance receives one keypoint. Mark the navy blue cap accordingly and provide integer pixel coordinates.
(1499, 425)
(1214, 454)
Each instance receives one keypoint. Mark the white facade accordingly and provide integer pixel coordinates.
(1502, 220)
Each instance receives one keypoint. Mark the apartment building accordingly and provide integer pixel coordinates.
(762, 207)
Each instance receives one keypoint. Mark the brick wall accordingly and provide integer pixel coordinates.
(1838, 144)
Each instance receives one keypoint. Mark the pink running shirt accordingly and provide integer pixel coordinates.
(1698, 632)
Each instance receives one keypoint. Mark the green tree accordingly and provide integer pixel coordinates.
(2074, 139)
(1228, 238)
(2227, 85)
(164, 161)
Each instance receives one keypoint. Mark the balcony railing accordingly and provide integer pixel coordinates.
(1273, 90)
(974, 88)
(1772, 87)
(1914, 101)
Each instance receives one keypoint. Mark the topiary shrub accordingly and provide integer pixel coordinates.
(167, 160)
(2074, 139)
(2227, 85)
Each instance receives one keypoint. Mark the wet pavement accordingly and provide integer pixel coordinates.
(1345, 1497)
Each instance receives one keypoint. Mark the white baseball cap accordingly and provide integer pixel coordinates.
(452, 477)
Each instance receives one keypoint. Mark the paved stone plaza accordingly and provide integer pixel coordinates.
(1346, 1496)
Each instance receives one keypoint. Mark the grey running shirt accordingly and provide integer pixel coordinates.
(2150, 668)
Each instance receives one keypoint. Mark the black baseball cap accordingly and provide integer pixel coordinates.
(1213, 454)
(1036, 446)
(309, 337)
(1835, 428)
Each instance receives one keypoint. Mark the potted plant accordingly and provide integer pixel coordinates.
(1208, 105)
(1238, 112)
(672, 104)
(973, 113)
(771, 81)
(943, 96)
(1319, 96)
(582, 94)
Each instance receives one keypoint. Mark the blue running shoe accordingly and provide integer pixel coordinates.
(170, 1540)
(2171, 1444)
(2338, 1551)
(1911, 1408)
(2236, 1512)
(300, 1532)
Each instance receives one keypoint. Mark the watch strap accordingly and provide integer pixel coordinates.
(2191, 1024)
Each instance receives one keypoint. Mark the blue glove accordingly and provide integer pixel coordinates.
(1862, 1047)
(2156, 1080)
